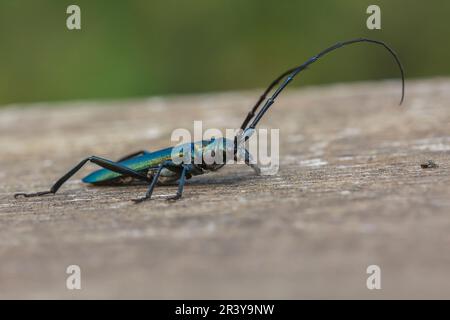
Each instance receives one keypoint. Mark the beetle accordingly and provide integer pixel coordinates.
(160, 167)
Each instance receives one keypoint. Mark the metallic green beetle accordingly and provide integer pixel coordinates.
(160, 167)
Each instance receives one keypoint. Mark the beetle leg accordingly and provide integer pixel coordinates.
(181, 183)
(104, 163)
(152, 185)
(250, 162)
(132, 155)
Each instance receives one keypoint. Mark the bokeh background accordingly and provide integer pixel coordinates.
(141, 48)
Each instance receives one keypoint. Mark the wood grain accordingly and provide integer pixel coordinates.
(350, 193)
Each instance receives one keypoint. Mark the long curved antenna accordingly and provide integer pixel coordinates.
(251, 114)
(294, 71)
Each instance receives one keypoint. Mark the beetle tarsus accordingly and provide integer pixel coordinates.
(139, 200)
(30, 195)
(174, 198)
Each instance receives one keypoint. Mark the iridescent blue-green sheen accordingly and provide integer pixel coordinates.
(146, 161)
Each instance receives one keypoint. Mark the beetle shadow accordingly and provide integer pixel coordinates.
(229, 179)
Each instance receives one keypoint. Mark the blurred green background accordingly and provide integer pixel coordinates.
(140, 48)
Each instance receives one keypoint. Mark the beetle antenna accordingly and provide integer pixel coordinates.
(294, 71)
(251, 114)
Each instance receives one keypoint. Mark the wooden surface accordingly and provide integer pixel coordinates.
(350, 193)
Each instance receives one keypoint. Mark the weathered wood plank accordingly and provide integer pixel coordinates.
(350, 193)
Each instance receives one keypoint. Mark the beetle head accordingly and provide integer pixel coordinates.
(216, 153)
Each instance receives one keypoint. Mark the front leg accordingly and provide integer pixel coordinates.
(250, 162)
